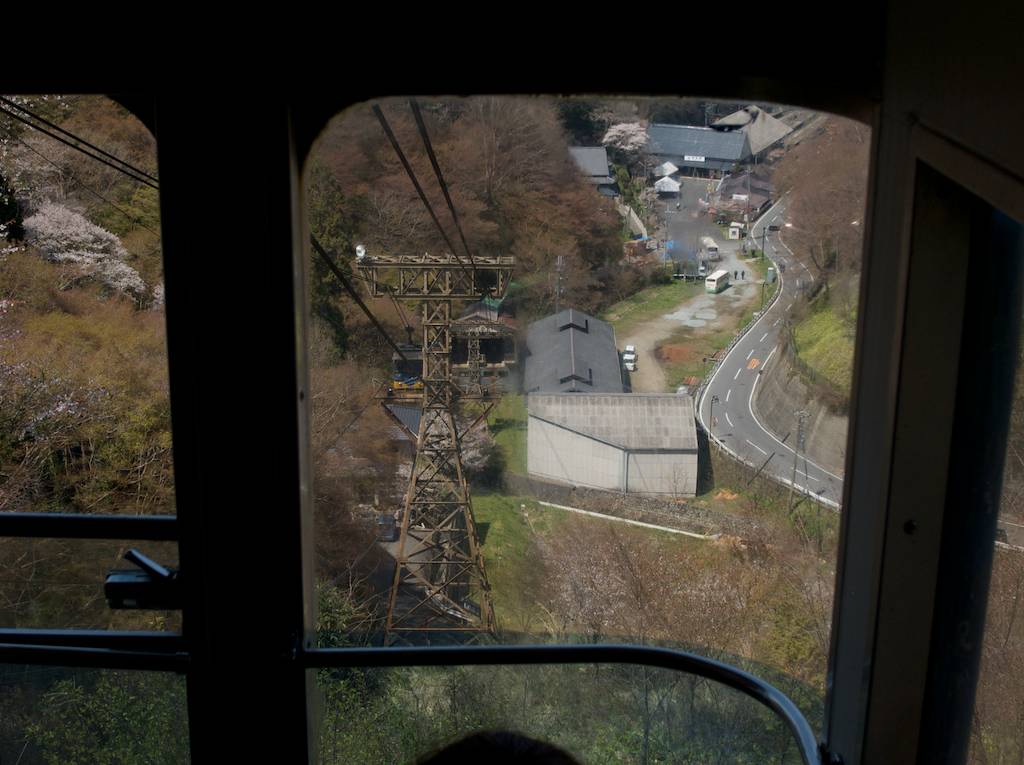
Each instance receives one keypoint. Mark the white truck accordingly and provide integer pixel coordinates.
(629, 358)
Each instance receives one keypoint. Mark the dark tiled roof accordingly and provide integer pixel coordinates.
(591, 160)
(675, 142)
(569, 352)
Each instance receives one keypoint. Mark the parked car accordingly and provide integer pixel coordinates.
(631, 350)
(773, 227)
(629, 360)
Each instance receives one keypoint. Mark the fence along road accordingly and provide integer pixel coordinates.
(736, 428)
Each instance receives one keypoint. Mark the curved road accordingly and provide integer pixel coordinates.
(730, 393)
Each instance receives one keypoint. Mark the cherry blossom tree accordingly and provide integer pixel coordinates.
(65, 236)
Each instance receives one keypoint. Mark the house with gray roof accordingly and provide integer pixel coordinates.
(763, 130)
(697, 150)
(592, 162)
(639, 443)
(571, 352)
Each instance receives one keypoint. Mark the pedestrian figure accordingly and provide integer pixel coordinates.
(743, 274)
(677, 205)
(735, 274)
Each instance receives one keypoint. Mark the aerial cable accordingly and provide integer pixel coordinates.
(359, 414)
(437, 171)
(80, 149)
(406, 324)
(134, 219)
(354, 295)
(419, 189)
(46, 122)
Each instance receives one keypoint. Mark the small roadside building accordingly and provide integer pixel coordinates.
(634, 443)
(667, 185)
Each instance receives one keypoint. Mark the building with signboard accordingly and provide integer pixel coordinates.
(697, 151)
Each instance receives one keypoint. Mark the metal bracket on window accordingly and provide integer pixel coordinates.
(827, 757)
(151, 586)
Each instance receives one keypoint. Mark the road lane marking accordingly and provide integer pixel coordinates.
(727, 394)
(764, 336)
(729, 420)
(751, 352)
(789, 306)
(775, 323)
(757, 447)
(753, 363)
(737, 373)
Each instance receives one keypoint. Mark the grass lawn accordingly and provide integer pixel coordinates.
(649, 303)
(511, 557)
(682, 354)
(507, 422)
(824, 341)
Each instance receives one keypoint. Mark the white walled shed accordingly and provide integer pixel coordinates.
(628, 442)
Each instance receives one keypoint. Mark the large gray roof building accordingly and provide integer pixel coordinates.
(697, 147)
(571, 352)
(642, 443)
(761, 128)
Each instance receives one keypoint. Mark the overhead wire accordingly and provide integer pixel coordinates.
(58, 128)
(329, 262)
(134, 219)
(77, 148)
(419, 189)
(440, 176)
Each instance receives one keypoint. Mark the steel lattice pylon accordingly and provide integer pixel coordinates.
(440, 591)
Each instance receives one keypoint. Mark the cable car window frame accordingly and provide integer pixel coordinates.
(210, 660)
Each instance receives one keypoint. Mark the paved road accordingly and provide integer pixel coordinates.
(734, 423)
(685, 226)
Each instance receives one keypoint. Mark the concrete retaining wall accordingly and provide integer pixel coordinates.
(780, 394)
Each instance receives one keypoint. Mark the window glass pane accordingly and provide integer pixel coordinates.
(58, 583)
(596, 713)
(84, 407)
(74, 715)
(640, 335)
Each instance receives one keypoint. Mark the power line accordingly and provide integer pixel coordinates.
(91, 190)
(36, 117)
(437, 171)
(416, 184)
(354, 295)
(79, 149)
(352, 422)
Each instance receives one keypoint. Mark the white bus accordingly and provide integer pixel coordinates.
(717, 282)
(710, 247)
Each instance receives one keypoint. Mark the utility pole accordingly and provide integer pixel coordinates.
(800, 417)
(559, 262)
(711, 416)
